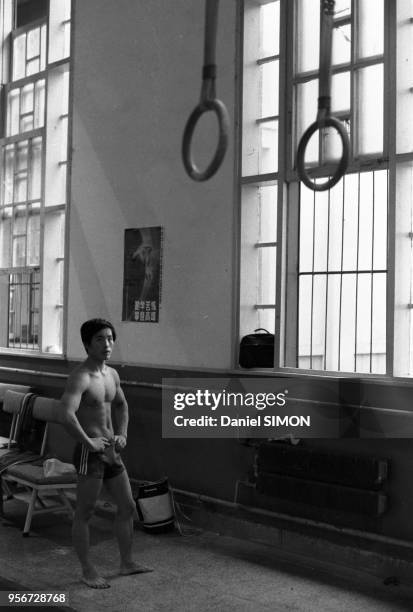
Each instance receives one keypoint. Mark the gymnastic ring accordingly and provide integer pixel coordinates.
(343, 163)
(223, 125)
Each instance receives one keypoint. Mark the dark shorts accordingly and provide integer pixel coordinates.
(97, 465)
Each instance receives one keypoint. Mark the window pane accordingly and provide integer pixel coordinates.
(33, 43)
(306, 111)
(365, 231)
(335, 243)
(39, 105)
(307, 198)
(24, 316)
(350, 223)
(27, 98)
(13, 112)
(63, 143)
(270, 91)
(340, 92)
(266, 319)
(9, 174)
(335, 291)
(19, 57)
(321, 226)
(380, 220)
(371, 27)
(21, 172)
(267, 269)
(33, 66)
(342, 8)
(379, 324)
(43, 48)
(348, 323)
(318, 319)
(332, 145)
(19, 236)
(304, 326)
(36, 169)
(27, 108)
(5, 237)
(66, 45)
(268, 154)
(65, 92)
(342, 44)
(33, 238)
(363, 347)
(307, 35)
(370, 109)
(268, 213)
(332, 322)
(270, 29)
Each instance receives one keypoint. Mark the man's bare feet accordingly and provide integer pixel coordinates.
(133, 568)
(94, 581)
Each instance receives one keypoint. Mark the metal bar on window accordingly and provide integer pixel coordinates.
(357, 275)
(268, 59)
(342, 272)
(341, 275)
(260, 245)
(267, 119)
(342, 21)
(271, 178)
(372, 276)
(312, 282)
(327, 278)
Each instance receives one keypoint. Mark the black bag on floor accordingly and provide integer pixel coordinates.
(257, 350)
(154, 505)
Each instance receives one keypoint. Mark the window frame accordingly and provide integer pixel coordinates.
(52, 66)
(286, 315)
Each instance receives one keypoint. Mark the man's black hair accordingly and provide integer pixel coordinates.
(91, 327)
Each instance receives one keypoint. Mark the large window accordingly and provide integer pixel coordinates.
(329, 272)
(34, 159)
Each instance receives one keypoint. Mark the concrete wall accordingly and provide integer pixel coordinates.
(137, 76)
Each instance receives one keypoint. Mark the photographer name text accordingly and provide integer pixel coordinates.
(256, 421)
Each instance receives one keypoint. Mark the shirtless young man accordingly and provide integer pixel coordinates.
(92, 392)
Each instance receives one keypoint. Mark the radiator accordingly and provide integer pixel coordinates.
(347, 483)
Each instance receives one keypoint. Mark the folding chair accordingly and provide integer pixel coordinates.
(7, 442)
(30, 476)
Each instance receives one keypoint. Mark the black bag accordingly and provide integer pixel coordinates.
(257, 350)
(154, 505)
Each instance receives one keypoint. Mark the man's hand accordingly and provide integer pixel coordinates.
(98, 445)
(120, 442)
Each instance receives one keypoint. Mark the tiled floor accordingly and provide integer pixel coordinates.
(200, 572)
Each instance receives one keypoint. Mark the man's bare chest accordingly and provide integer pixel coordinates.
(102, 389)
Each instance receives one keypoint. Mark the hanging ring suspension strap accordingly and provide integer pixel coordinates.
(208, 102)
(324, 117)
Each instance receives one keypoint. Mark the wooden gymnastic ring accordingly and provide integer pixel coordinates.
(343, 163)
(223, 125)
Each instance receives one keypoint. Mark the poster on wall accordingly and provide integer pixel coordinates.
(142, 275)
